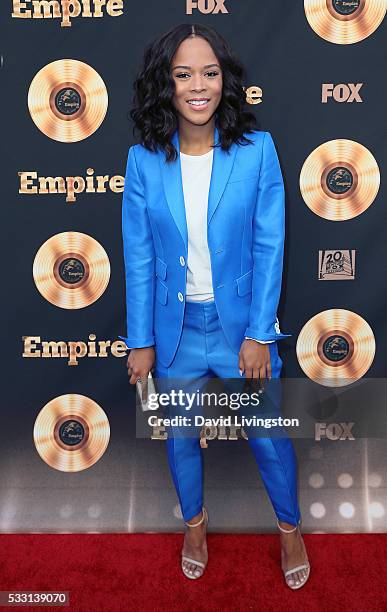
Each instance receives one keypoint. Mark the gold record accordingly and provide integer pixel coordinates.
(344, 21)
(335, 347)
(67, 100)
(71, 270)
(339, 180)
(71, 433)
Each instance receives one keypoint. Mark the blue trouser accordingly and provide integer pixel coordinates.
(204, 352)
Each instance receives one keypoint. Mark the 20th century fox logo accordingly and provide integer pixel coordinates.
(333, 431)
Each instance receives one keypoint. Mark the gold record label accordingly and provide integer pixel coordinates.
(71, 433)
(67, 100)
(335, 347)
(339, 180)
(71, 270)
(344, 22)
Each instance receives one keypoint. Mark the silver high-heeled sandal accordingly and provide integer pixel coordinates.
(189, 573)
(299, 567)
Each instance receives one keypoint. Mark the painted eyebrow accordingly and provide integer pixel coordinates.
(189, 67)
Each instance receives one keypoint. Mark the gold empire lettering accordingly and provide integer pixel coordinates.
(207, 433)
(66, 9)
(30, 183)
(34, 347)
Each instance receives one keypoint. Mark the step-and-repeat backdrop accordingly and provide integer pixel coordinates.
(315, 77)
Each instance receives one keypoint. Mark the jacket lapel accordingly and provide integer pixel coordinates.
(173, 185)
(222, 164)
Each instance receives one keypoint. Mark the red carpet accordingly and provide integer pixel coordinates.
(114, 572)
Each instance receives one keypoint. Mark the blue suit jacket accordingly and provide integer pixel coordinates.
(245, 234)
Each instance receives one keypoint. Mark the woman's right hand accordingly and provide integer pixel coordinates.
(140, 363)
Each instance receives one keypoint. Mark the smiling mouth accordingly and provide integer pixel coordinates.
(198, 102)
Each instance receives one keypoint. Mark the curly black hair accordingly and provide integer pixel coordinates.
(153, 113)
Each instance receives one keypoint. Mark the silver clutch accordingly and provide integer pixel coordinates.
(151, 391)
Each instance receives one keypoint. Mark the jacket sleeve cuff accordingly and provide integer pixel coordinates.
(138, 342)
(258, 335)
(260, 341)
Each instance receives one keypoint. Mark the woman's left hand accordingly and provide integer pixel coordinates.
(254, 360)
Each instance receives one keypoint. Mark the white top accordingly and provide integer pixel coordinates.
(196, 176)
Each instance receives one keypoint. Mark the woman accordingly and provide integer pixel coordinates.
(203, 231)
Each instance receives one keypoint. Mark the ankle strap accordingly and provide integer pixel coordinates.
(286, 530)
(204, 513)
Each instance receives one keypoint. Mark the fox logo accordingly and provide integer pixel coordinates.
(334, 431)
(206, 6)
(341, 93)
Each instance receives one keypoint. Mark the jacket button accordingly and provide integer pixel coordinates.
(182, 260)
(180, 296)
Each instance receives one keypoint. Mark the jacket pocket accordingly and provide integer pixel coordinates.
(244, 283)
(161, 268)
(161, 291)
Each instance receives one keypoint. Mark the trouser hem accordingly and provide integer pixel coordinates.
(188, 516)
(286, 518)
